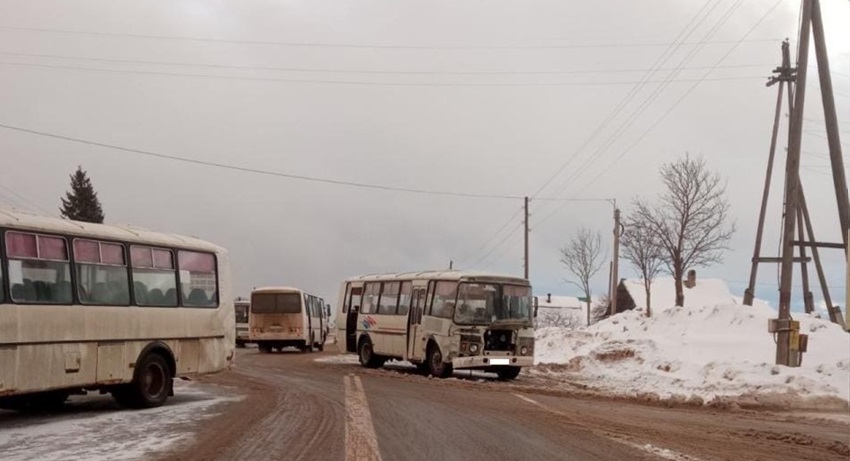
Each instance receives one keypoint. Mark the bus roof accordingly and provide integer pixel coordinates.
(26, 221)
(280, 289)
(438, 275)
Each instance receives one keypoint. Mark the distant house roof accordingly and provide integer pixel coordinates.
(563, 302)
(707, 292)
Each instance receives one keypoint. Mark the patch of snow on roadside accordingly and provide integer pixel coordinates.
(341, 359)
(696, 352)
(107, 434)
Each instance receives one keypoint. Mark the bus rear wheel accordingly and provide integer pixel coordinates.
(264, 348)
(436, 366)
(150, 386)
(367, 355)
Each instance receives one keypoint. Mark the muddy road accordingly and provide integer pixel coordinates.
(299, 409)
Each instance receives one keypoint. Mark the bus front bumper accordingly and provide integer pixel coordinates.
(490, 361)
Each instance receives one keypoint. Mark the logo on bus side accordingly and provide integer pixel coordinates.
(368, 322)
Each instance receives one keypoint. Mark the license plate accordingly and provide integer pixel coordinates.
(500, 361)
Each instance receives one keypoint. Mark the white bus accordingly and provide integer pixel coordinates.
(242, 308)
(116, 309)
(439, 321)
(287, 317)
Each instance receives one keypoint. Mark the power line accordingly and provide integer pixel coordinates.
(492, 237)
(24, 199)
(353, 46)
(348, 82)
(676, 104)
(262, 172)
(644, 105)
(355, 71)
(665, 56)
(501, 242)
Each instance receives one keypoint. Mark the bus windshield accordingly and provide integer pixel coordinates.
(276, 303)
(485, 303)
(241, 313)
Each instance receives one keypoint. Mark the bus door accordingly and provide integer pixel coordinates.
(353, 308)
(415, 349)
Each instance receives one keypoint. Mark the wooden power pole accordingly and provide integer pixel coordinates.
(525, 259)
(615, 262)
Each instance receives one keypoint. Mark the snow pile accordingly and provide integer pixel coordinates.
(707, 292)
(707, 352)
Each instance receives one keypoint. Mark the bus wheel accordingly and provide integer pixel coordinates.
(436, 366)
(367, 355)
(508, 373)
(422, 367)
(264, 348)
(321, 347)
(150, 386)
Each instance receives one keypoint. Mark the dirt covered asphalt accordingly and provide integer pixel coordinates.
(296, 408)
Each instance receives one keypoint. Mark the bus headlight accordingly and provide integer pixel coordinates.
(473, 348)
(523, 350)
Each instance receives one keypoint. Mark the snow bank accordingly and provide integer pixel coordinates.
(703, 352)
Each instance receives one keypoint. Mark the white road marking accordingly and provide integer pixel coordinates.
(361, 443)
(663, 453)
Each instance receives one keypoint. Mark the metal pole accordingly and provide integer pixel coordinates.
(526, 239)
(749, 294)
(792, 192)
(831, 122)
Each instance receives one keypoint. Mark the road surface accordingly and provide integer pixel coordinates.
(299, 409)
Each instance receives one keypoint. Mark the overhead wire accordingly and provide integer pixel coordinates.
(678, 101)
(24, 199)
(338, 182)
(346, 45)
(350, 71)
(665, 55)
(344, 82)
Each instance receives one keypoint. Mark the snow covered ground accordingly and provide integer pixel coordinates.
(94, 429)
(699, 352)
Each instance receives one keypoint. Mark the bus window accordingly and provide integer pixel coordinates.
(153, 276)
(370, 298)
(404, 298)
(443, 304)
(389, 298)
(198, 284)
(276, 303)
(101, 273)
(39, 268)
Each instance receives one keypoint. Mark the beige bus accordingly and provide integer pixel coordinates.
(287, 317)
(117, 309)
(440, 321)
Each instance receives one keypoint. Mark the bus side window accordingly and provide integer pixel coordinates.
(404, 298)
(370, 298)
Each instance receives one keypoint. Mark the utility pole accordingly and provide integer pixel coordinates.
(784, 327)
(526, 238)
(615, 263)
(784, 74)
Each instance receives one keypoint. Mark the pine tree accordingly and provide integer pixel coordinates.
(81, 203)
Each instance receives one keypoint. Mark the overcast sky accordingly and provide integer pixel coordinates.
(482, 97)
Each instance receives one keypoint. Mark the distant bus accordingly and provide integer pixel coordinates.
(116, 309)
(287, 317)
(440, 321)
(241, 307)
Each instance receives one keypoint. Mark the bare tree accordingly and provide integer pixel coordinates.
(642, 249)
(583, 257)
(690, 220)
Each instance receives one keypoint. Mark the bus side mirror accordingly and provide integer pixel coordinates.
(329, 310)
(535, 307)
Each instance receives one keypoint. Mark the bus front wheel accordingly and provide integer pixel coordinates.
(151, 384)
(436, 366)
(508, 373)
(367, 355)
